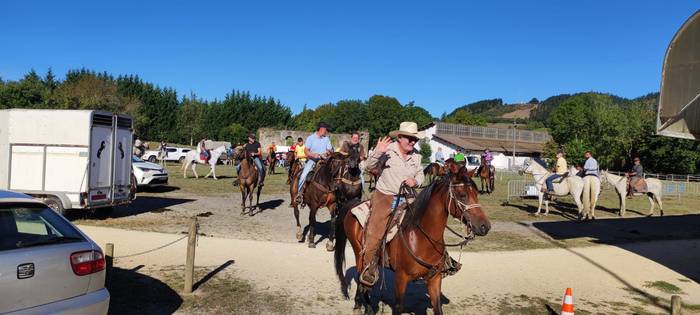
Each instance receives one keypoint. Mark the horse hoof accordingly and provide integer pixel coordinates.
(312, 245)
(357, 311)
(330, 246)
(662, 213)
(299, 235)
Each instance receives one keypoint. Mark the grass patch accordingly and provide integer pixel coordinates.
(664, 286)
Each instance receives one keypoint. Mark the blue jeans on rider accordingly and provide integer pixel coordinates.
(550, 181)
(397, 202)
(258, 163)
(308, 166)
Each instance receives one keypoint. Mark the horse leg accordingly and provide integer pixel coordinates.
(243, 197)
(651, 205)
(434, 292)
(400, 283)
(257, 199)
(330, 245)
(250, 201)
(296, 217)
(539, 207)
(658, 201)
(213, 171)
(312, 223)
(194, 166)
(622, 203)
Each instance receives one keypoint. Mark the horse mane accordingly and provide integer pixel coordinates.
(416, 211)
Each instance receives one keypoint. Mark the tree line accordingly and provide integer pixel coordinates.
(614, 128)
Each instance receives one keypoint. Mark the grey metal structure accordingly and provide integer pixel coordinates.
(679, 100)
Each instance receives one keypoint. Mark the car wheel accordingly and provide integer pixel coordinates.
(152, 159)
(55, 204)
(181, 160)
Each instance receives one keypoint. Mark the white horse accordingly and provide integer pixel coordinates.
(654, 190)
(192, 158)
(571, 185)
(591, 191)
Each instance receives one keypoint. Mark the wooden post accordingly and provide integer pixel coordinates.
(189, 265)
(675, 305)
(109, 260)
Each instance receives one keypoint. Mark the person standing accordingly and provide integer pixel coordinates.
(254, 149)
(403, 167)
(439, 157)
(318, 146)
(162, 152)
(559, 170)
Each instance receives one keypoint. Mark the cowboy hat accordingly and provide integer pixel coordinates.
(408, 128)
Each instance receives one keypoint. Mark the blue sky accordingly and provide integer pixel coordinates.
(439, 54)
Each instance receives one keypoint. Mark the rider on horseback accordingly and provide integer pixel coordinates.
(635, 176)
(202, 149)
(559, 172)
(403, 166)
(355, 145)
(487, 156)
(254, 149)
(318, 146)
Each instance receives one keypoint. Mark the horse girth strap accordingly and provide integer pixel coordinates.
(321, 187)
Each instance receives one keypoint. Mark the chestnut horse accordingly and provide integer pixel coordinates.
(327, 186)
(487, 174)
(418, 250)
(247, 180)
(271, 161)
(432, 171)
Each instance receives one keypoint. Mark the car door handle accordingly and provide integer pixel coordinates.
(25, 271)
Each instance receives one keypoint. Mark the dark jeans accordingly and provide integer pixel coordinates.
(550, 181)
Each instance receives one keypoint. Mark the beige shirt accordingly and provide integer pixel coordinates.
(397, 169)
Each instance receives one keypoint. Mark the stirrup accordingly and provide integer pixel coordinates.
(369, 277)
(451, 266)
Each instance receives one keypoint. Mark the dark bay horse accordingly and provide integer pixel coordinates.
(290, 163)
(432, 171)
(487, 174)
(418, 250)
(335, 180)
(247, 180)
(271, 161)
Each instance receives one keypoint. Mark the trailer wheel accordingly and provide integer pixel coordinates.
(55, 204)
(152, 159)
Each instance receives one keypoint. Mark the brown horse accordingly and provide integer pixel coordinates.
(247, 180)
(487, 174)
(432, 171)
(290, 163)
(418, 250)
(271, 161)
(331, 183)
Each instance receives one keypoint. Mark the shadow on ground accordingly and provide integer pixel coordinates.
(629, 233)
(134, 293)
(415, 299)
(137, 206)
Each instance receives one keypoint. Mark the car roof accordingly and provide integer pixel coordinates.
(4, 194)
(15, 197)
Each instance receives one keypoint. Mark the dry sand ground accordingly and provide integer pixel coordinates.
(606, 279)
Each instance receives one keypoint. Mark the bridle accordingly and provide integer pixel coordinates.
(409, 192)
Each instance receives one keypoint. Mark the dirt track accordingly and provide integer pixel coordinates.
(605, 279)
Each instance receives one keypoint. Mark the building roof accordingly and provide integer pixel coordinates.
(476, 144)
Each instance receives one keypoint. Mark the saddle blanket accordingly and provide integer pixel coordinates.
(361, 213)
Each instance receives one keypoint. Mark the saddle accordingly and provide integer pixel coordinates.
(362, 211)
(639, 186)
(203, 156)
(561, 179)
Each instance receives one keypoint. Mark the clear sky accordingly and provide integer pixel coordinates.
(439, 54)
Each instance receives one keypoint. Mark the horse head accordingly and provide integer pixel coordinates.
(239, 153)
(527, 167)
(464, 204)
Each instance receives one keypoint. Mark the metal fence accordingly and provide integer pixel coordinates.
(521, 188)
(667, 177)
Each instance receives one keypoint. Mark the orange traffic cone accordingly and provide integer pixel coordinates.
(568, 307)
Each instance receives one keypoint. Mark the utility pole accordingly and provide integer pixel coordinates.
(515, 137)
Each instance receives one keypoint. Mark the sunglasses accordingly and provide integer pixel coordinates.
(410, 139)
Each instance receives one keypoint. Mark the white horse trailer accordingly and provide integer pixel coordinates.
(72, 159)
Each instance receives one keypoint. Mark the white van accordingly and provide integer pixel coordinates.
(71, 159)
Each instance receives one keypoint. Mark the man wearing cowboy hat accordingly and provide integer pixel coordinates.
(317, 146)
(402, 167)
(254, 149)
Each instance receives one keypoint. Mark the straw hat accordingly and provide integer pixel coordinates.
(408, 128)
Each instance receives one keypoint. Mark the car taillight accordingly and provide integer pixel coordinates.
(87, 262)
(83, 199)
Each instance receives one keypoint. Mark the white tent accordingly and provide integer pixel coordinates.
(679, 102)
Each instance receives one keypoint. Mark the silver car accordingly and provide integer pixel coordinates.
(47, 266)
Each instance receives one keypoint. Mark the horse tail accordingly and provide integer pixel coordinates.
(341, 240)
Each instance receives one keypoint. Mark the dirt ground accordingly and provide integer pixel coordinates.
(523, 265)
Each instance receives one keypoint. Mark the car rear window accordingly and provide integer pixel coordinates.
(29, 225)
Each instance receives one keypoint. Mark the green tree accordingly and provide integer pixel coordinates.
(425, 151)
(466, 118)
